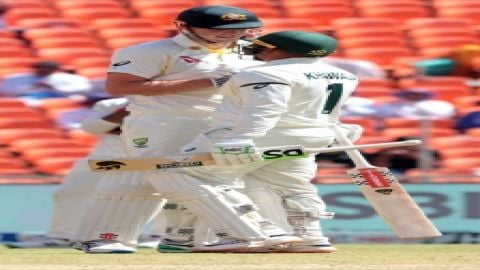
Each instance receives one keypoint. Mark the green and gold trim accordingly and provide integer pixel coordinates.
(264, 44)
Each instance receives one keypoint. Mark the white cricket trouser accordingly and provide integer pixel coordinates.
(70, 199)
(143, 134)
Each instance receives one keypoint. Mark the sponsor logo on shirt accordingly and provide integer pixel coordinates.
(122, 63)
(140, 142)
(328, 76)
(190, 60)
(260, 85)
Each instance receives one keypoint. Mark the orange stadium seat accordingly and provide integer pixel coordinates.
(7, 135)
(416, 132)
(427, 81)
(32, 155)
(247, 4)
(441, 175)
(470, 13)
(382, 56)
(24, 122)
(368, 82)
(454, 142)
(34, 33)
(11, 42)
(291, 4)
(446, 41)
(8, 102)
(5, 153)
(145, 32)
(15, 166)
(120, 42)
(374, 91)
(461, 153)
(22, 145)
(55, 165)
(400, 13)
(12, 52)
(433, 32)
(87, 15)
(363, 22)
(132, 23)
(462, 163)
(14, 15)
(82, 137)
(466, 101)
(362, 32)
(93, 72)
(375, 3)
(68, 55)
(90, 62)
(62, 42)
(68, 4)
(160, 17)
(398, 122)
(54, 22)
(323, 17)
(7, 33)
(391, 41)
(438, 23)
(18, 4)
(146, 4)
(282, 24)
(20, 112)
(474, 132)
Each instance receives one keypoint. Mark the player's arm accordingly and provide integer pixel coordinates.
(264, 100)
(106, 118)
(120, 84)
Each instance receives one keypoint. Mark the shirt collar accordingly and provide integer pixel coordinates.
(296, 60)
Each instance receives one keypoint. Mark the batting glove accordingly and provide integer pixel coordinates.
(235, 153)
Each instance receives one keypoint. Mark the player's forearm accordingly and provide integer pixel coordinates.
(153, 88)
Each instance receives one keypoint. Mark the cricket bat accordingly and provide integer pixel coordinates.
(205, 159)
(389, 199)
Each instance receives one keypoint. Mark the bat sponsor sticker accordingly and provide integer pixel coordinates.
(374, 177)
(181, 164)
(109, 165)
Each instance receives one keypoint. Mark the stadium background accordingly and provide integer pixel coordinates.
(35, 152)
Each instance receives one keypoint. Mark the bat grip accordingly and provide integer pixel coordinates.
(357, 158)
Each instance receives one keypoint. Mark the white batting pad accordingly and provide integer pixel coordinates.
(270, 205)
(179, 222)
(304, 212)
(70, 200)
(228, 213)
(119, 209)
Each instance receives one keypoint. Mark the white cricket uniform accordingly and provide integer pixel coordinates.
(71, 197)
(284, 102)
(159, 125)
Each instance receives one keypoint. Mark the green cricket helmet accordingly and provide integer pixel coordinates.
(219, 17)
(307, 44)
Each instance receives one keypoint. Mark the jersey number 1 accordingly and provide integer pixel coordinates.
(334, 93)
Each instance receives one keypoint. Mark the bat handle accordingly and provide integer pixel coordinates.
(357, 158)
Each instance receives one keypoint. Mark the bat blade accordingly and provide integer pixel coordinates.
(146, 164)
(393, 203)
